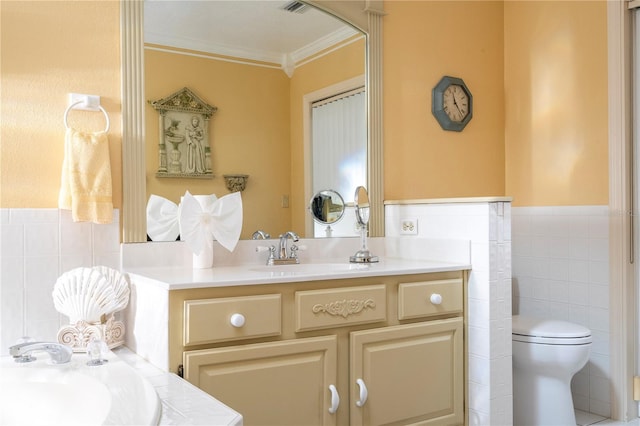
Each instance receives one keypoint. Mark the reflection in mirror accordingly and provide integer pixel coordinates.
(361, 201)
(327, 207)
(255, 61)
(135, 140)
(339, 141)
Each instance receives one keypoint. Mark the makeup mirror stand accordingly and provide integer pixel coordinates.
(361, 201)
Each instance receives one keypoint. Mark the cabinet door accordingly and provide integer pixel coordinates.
(276, 383)
(413, 374)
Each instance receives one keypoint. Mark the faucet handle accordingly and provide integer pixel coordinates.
(272, 253)
(97, 351)
(295, 249)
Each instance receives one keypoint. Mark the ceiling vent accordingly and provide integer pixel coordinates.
(295, 7)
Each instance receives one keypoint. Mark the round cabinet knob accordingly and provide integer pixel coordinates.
(237, 320)
(436, 299)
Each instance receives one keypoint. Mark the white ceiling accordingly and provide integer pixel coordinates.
(252, 29)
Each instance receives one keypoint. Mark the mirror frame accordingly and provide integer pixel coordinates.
(366, 15)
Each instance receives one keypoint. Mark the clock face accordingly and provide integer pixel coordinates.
(455, 103)
(452, 103)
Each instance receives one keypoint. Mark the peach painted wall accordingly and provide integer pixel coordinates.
(249, 133)
(423, 41)
(556, 127)
(52, 48)
(48, 50)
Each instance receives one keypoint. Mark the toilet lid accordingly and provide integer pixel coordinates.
(549, 331)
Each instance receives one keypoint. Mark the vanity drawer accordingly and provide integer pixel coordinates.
(337, 307)
(231, 318)
(426, 298)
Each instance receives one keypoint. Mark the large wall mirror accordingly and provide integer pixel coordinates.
(164, 67)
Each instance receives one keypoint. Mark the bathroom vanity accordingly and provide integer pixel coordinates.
(330, 344)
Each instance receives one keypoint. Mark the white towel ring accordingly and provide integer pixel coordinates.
(70, 107)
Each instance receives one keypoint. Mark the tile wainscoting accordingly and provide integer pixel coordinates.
(486, 223)
(561, 271)
(38, 245)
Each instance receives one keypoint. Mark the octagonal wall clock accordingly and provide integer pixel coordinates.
(452, 103)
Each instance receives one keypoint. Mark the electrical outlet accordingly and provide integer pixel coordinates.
(409, 226)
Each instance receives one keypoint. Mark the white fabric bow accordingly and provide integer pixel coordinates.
(162, 219)
(206, 218)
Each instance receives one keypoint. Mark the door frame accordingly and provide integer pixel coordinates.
(622, 286)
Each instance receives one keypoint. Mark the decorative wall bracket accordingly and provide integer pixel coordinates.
(236, 183)
(184, 131)
(345, 307)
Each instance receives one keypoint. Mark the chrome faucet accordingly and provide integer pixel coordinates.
(283, 244)
(59, 353)
(282, 252)
(260, 235)
(283, 256)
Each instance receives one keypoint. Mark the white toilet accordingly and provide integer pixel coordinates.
(546, 355)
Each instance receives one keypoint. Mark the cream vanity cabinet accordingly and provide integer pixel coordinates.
(363, 351)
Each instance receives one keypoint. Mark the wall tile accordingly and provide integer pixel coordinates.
(598, 318)
(37, 246)
(478, 312)
(33, 216)
(579, 314)
(559, 310)
(580, 385)
(598, 272)
(41, 239)
(478, 371)
(598, 249)
(561, 270)
(488, 227)
(41, 273)
(12, 240)
(600, 343)
(75, 238)
(559, 291)
(477, 287)
(12, 313)
(599, 367)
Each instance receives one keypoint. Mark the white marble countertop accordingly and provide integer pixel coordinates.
(182, 403)
(177, 278)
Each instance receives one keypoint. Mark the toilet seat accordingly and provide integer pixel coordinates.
(549, 332)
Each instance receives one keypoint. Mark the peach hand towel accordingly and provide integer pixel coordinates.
(86, 177)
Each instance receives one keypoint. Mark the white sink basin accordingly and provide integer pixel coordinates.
(40, 393)
(312, 268)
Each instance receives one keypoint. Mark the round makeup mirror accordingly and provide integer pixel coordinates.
(327, 206)
(361, 201)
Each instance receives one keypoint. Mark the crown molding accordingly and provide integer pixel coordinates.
(296, 56)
